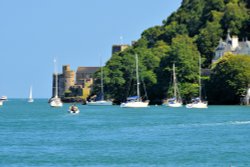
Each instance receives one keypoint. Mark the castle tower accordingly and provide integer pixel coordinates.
(69, 77)
(119, 48)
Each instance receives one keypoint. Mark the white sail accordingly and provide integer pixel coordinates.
(56, 101)
(136, 103)
(198, 102)
(30, 100)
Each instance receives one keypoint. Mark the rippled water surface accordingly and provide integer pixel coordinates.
(36, 135)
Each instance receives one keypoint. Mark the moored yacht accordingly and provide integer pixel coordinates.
(30, 100)
(176, 100)
(135, 101)
(198, 102)
(3, 98)
(56, 101)
(99, 103)
(102, 101)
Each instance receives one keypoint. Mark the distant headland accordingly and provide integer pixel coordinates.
(195, 30)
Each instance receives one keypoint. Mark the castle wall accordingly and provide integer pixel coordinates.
(79, 87)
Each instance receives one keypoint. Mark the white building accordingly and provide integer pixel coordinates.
(232, 45)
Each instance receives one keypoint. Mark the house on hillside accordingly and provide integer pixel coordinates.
(231, 45)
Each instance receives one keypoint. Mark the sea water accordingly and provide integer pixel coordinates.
(34, 134)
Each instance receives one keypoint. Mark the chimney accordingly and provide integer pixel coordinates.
(235, 42)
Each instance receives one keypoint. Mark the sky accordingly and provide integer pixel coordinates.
(75, 32)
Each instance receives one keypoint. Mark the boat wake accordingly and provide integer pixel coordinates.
(217, 124)
(240, 122)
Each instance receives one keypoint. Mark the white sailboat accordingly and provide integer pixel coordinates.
(30, 100)
(135, 101)
(176, 100)
(198, 102)
(100, 102)
(56, 101)
(4, 98)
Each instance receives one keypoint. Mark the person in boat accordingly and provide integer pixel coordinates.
(73, 108)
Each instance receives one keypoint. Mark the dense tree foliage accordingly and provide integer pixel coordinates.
(194, 29)
(184, 54)
(229, 80)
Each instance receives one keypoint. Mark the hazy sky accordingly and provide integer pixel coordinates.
(76, 32)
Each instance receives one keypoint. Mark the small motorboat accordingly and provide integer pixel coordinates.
(3, 98)
(73, 109)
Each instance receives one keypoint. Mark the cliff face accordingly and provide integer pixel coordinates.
(194, 29)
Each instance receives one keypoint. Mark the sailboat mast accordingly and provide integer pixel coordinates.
(137, 77)
(102, 91)
(56, 79)
(174, 80)
(200, 77)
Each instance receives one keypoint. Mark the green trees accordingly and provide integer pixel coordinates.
(184, 54)
(229, 80)
(207, 21)
(194, 29)
(209, 36)
(235, 17)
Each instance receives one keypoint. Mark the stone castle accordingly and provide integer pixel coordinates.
(76, 86)
(71, 84)
(231, 45)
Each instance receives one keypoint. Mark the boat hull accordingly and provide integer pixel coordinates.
(30, 100)
(1, 102)
(174, 104)
(3, 98)
(100, 103)
(134, 104)
(56, 103)
(197, 105)
(74, 112)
